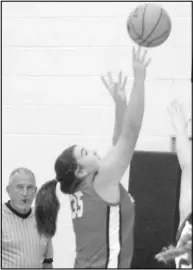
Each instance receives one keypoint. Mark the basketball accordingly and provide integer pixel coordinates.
(149, 25)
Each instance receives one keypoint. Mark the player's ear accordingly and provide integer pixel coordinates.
(8, 189)
(80, 172)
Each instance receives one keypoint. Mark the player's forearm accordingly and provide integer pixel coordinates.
(119, 118)
(135, 109)
(183, 149)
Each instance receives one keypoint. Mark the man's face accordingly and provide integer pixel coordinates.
(22, 190)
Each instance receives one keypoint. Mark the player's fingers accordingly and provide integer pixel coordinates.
(143, 56)
(115, 88)
(175, 104)
(189, 120)
(104, 81)
(138, 53)
(172, 103)
(181, 108)
(169, 109)
(106, 85)
(109, 75)
(159, 257)
(133, 54)
(120, 77)
(124, 82)
(147, 62)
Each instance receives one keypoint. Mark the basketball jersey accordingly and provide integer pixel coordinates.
(182, 261)
(103, 231)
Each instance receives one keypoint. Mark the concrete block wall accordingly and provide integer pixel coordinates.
(53, 55)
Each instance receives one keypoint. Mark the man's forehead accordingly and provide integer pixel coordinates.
(22, 177)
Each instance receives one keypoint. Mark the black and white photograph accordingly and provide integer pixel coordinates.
(96, 105)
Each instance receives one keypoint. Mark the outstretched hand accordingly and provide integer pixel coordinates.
(177, 115)
(116, 89)
(140, 63)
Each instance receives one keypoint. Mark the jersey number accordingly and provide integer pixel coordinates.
(76, 205)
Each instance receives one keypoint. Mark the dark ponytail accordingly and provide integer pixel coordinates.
(46, 202)
(65, 167)
(46, 209)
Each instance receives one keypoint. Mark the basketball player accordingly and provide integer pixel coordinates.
(102, 210)
(182, 252)
(22, 247)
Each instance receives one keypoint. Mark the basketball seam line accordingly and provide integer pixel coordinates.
(138, 36)
(143, 19)
(166, 32)
(153, 28)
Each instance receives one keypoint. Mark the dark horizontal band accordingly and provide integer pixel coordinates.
(48, 260)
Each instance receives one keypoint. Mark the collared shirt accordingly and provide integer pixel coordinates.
(22, 246)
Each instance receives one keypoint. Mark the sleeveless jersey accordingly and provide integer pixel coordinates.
(182, 261)
(103, 231)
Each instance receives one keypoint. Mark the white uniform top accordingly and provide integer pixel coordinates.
(182, 261)
(22, 247)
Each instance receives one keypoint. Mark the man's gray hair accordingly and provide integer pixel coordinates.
(20, 170)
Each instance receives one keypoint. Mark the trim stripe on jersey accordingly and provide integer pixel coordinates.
(107, 235)
(114, 236)
(120, 236)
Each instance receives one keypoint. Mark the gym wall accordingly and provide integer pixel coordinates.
(53, 54)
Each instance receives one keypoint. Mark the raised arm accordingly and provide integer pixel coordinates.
(117, 91)
(118, 94)
(114, 166)
(183, 150)
(183, 145)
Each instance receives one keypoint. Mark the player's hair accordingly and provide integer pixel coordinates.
(65, 167)
(170, 253)
(20, 170)
(46, 203)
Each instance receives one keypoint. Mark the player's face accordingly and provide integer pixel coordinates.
(88, 160)
(22, 190)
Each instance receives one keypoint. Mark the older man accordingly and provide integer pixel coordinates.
(22, 246)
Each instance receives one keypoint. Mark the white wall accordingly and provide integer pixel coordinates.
(53, 55)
